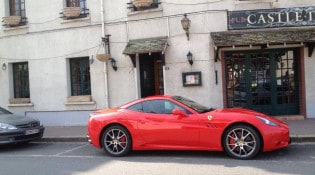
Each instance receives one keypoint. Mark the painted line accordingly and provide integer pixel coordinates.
(73, 149)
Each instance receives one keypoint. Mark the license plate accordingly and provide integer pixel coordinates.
(31, 131)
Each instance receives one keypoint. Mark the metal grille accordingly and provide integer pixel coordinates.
(29, 125)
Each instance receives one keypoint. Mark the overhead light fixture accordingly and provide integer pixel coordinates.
(189, 58)
(186, 25)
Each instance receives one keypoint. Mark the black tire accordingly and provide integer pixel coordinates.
(241, 142)
(116, 141)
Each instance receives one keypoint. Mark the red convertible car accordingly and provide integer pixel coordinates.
(178, 123)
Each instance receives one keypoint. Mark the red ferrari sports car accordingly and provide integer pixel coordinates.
(178, 123)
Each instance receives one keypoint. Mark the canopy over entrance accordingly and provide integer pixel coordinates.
(265, 37)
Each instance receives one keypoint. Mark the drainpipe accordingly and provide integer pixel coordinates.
(105, 62)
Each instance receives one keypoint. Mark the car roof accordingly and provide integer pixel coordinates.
(154, 97)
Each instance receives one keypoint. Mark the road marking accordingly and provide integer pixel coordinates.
(70, 150)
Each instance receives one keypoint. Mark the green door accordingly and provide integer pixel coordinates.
(264, 80)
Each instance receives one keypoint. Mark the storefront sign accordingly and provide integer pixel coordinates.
(271, 18)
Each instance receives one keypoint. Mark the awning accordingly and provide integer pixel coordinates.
(148, 45)
(264, 37)
(256, 37)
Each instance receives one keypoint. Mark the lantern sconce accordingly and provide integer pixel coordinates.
(4, 66)
(186, 25)
(106, 43)
(189, 58)
(113, 62)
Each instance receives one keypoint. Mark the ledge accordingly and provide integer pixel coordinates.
(80, 103)
(66, 21)
(132, 13)
(21, 105)
(15, 28)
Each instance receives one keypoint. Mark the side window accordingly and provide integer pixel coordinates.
(136, 107)
(154, 106)
(170, 106)
(161, 107)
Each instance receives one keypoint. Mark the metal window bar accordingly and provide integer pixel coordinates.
(155, 4)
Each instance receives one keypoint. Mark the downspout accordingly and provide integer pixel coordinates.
(105, 62)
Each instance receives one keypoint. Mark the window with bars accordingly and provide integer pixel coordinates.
(155, 4)
(77, 3)
(17, 8)
(21, 80)
(80, 76)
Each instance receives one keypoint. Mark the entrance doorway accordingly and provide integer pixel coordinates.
(264, 80)
(151, 74)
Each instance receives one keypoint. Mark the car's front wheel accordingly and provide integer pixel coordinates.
(241, 142)
(116, 141)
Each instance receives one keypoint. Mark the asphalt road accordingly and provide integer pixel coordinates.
(81, 158)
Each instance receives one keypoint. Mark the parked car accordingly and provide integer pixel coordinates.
(18, 129)
(178, 123)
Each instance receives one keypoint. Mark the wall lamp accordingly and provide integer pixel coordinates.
(4, 66)
(106, 43)
(186, 25)
(189, 58)
(113, 62)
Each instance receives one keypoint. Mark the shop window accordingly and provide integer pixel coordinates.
(21, 80)
(80, 76)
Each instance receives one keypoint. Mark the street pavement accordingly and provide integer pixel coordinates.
(300, 131)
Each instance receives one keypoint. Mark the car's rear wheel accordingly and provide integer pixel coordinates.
(241, 142)
(116, 141)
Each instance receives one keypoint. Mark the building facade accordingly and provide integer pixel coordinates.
(63, 59)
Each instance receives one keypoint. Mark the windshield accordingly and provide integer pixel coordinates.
(192, 104)
(3, 111)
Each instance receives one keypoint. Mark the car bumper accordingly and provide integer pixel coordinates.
(22, 135)
(279, 138)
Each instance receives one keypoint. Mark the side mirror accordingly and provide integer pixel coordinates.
(180, 113)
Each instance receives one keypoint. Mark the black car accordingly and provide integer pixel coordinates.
(18, 129)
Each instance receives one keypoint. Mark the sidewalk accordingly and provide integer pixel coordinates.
(300, 131)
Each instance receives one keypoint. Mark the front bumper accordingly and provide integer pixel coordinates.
(22, 135)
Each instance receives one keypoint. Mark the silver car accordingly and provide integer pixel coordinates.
(18, 129)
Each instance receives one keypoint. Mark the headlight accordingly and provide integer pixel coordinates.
(266, 121)
(6, 127)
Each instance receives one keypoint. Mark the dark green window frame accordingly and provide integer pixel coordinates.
(21, 80)
(80, 76)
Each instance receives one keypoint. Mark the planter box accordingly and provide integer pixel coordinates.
(81, 98)
(103, 57)
(19, 100)
(142, 3)
(72, 12)
(12, 20)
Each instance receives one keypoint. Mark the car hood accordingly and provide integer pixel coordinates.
(249, 113)
(15, 119)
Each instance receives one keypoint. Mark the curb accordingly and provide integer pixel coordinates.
(64, 139)
(303, 138)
